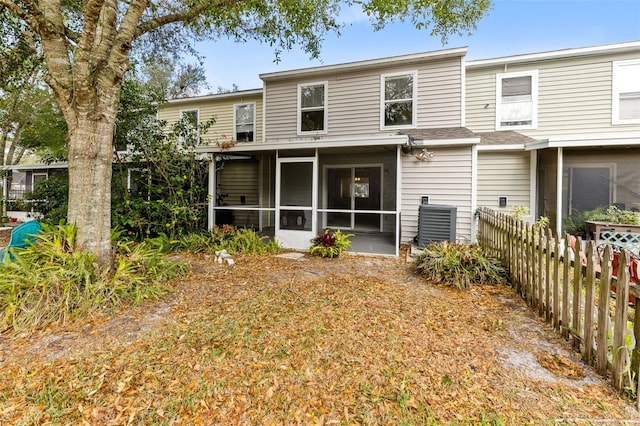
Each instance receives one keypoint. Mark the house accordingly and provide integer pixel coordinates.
(357, 146)
(19, 180)
(362, 146)
(569, 126)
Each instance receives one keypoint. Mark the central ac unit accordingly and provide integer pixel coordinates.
(436, 223)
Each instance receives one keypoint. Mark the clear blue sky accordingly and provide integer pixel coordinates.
(511, 27)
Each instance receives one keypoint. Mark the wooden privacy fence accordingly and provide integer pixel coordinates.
(574, 296)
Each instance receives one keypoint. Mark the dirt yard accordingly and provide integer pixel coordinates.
(303, 340)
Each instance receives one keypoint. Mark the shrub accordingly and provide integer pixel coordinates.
(50, 281)
(330, 243)
(459, 265)
(227, 237)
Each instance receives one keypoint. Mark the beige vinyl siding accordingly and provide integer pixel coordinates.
(221, 109)
(353, 101)
(574, 96)
(240, 178)
(445, 179)
(504, 174)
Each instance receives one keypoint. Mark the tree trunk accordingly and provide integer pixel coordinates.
(90, 161)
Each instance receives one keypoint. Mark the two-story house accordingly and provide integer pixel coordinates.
(582, 107)
(356, 146)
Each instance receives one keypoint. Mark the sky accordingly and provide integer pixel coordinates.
(511, 27)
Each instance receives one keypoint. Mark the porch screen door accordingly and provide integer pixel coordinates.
(296, 195)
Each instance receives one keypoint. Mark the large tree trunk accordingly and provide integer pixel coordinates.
(90, 160)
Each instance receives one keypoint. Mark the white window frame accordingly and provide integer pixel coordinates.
(325, 107)
(618, 87)
(534, 99)
(414, 100)
(33, 178)
(182, 113)
(235, 124)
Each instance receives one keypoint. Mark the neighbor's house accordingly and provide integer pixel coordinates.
(582, 107)
(356, 146)
(20, 180)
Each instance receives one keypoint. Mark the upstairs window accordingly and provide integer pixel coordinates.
(189, 127)
(398, 107)
(312, 108)
(626, 92)
(244, 117)
(517, 100)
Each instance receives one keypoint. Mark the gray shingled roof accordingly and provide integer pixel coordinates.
(440, 133)
(507, 137)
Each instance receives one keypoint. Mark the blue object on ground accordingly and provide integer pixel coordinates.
(21, 237)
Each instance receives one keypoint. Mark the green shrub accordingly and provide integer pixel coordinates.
(226, 237)
(459, 265)
(51, 282)
(330, 243)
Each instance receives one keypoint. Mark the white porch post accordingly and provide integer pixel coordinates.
(474, 190)
(398, 198)
(559, 191)
(533, 188)
(211, 216)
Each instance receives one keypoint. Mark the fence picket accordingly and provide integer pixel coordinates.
(620, 323)
(577, 292)
(603, 311)
(589, 302)
(556, 282)
(566, 277)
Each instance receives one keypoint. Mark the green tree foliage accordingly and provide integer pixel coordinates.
(87, 47)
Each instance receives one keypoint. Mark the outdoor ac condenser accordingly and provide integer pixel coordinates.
(436, 223)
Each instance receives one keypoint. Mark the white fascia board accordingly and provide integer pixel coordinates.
(309, 144)
(556, 54)
(236, 94)
(34, 166)
(586, 142)
(445, 142)
(367, 64)
(506, 147)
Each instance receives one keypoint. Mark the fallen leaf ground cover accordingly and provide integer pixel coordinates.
(272, 340)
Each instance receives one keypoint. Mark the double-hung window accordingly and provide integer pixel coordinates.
(517, 100)
(398, 106)
(189, 122)
(312, 108)
(626, 92)
(244, 118)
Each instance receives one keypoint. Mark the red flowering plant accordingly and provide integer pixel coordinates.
(330, 243)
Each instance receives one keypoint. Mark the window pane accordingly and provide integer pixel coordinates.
(191, 117)
(630, 106)
(312, 96)
(244, 114)
(398, 113)
(312, 120)
(517, 111)
(516, 86)
(244, 135)
(400, 87)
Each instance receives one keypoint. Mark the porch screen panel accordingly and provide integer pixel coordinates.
(296, 192)
(339, 192)
(597, 179)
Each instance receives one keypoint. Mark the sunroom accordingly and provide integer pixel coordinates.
(292, 191)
